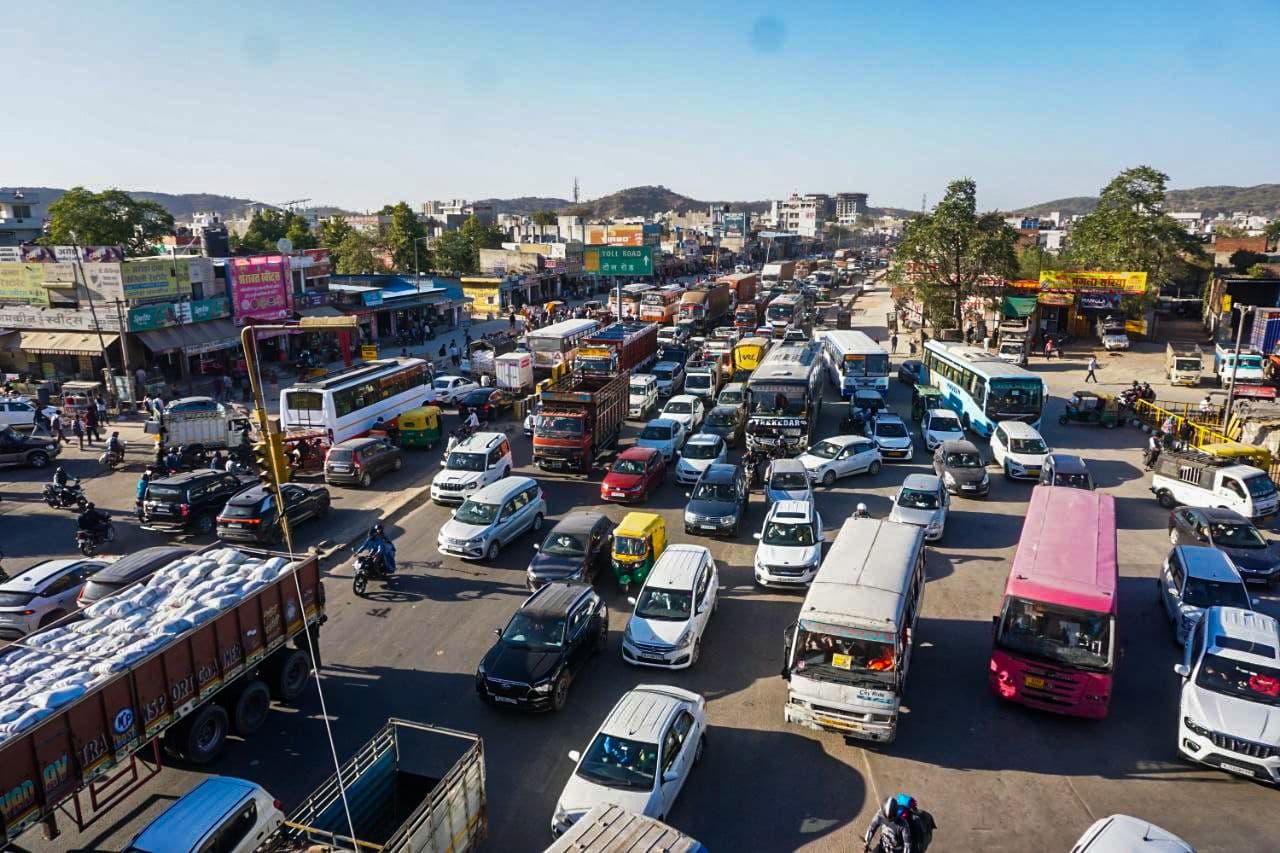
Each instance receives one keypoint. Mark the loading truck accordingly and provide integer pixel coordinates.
(706, 304)
(747, 316)
(620, 346)
(413, 788)
(579, 417)
(206, 426)
(776, 273)
(184, 684)
(1183, 363)
(743, 286)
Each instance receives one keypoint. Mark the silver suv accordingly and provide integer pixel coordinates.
(492, 517)
(41, 594)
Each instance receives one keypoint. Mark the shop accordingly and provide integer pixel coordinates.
(181, 353)
(58, 355)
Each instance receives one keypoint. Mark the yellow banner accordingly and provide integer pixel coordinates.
(1112, 282)
(23, 284)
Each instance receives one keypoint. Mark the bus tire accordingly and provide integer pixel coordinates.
(1165, 498)
(249, 712)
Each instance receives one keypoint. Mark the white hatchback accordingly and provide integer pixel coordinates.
(687, 409)
(1018, 448)
(699, 453)
(940, 425)
(672, 610)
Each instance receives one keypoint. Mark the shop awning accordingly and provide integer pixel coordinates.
(1017, 307)
(65, 343)
(320, 311)
(193, 339)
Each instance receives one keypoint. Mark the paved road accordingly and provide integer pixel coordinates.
(997, 777)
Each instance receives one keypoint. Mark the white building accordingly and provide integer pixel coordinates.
(22, 217)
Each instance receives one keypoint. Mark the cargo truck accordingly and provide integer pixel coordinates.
(743, 286)
(612, 829)
(413, 788)
(1265, 333)
(747, 316)
(206, 426)
(181, 687)
(621, 346)
(1183, 363)
(706, 304)
(776, 273)
(1247, 366)
(579, 417)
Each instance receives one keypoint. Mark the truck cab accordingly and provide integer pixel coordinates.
(1013, 349)
(1247, 367)
(1183, 364)
(1191, 478)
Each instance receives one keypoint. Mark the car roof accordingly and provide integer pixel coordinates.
(503, 489)
(669, 365)
(190, 818)
(186, 477)
(888, 416)
(355, 443)
(958, 445)
(1068, 463)
(677, 567)
(1208, 563)
(1258, 630)
(922, 482)
(734, 386)
(1019, 429)
(670, 422)
(720, 472)
(578, 522)
(839, 440)
(139, 563)
(683, 398)
(449, 377)
(481, 441)
(30, 580)
(804, 509)
(788, 465)
(638, 453)
(704, 438)
(934, 412)
(555, 599)
(642, 712)
(251, 495)
(1212, 514)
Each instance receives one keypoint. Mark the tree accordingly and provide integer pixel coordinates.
(298, 230)
(1228, 231)
(452, 252)
(946, 254)
(354, 255)
(543, 218)
(334, 230)
(1260, 270)
(401, 236)
(265, 227)
(482, 236)
(1242, 259)
(108, 218)
(1272, 233)
(1033, 259)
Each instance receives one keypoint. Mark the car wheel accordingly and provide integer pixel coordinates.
(1007, 474)
(560, 692)
(537, 522)
(829, 478)
(366, 480)
(874, 467)
(39, 459)
(697, 651)
(1062, 419)
(50, 618)
(205, 524)
(491, 553)
(323, 509)
(1165, 497)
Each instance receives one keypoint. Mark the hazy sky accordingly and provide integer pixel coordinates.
(356, 104)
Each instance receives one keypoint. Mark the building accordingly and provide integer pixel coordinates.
(22, 217)
(849, 206)
(803, 214)
(459, 210)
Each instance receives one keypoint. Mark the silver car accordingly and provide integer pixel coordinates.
(492, 517)
(42, 594)
(922, 501)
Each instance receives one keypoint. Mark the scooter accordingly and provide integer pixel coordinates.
(89, 541)
(113, 459)
(65, 497)
(367, 566)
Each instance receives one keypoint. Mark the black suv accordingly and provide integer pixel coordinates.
(251, 515)
(189, 502)
(544, 647)
(718, 502)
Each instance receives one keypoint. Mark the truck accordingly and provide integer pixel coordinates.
(1014, 342)
(1193, 478)
(612, 829)
(748, 315)
(706, 304)
(413, 788)
(1265, 333)
(620, 346)
(514, 372)
(776, 273)
(1247, 364)
(1183, 363)
(199, 424)
(206, 669)
(743, 286)
(579, 417)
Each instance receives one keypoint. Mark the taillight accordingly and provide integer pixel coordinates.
(279, 805)
(184, 509)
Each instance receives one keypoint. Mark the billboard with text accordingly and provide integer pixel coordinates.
(260, 288)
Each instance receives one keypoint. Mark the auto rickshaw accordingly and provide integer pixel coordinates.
(1086, 407)
(420, 427)
(638, 541)
(924, 398)
(1244, 454)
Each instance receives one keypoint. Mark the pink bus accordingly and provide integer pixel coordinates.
(1055, 637)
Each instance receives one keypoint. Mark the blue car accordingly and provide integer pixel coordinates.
(664, 435)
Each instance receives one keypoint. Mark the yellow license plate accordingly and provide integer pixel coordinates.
(843, 725)
(1033, 682)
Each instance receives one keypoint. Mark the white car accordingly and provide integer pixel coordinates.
(482, 459)
(790, 548)
(640, 757)
(672, 610)
(940, 425)
(1120, 833)
(840, 456)
(1018, 448)
(1229, 716)
(687, 409)
(642, 395)
(890, 433)
(20, 413)
(447, 389)
(699, 453)
(1114, 339)
(923, 502)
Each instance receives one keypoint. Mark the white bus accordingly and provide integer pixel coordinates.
(981, 388)
(347, 403)
(853, 360)
(555, 345)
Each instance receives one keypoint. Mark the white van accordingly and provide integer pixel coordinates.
(847, 657)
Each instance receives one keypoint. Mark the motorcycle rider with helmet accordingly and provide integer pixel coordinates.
(895, 833)
(860, 511)
(63, 480)
(379, 544)
(94, 521)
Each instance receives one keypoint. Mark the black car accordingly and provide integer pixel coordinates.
(718, 501)
(487, 403)
(911, 372)
(189, 502)
(574, 550)
(1065, 469)
(544, 647)
(728, 422)
(128, 570)
(251, 515)
(961, 468)
(1231, 533)
(17, 448)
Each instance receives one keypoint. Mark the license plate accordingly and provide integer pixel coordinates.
(1035, 471)
(341, 469)
(506, 699)
(968, 488)
(7, 619)
(843, 725)
(651, 659)
(1033, 682)
(618, 494)
(707, 526)
(1236, 768)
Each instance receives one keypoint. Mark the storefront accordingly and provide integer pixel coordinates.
(66, 355)
(180, 352)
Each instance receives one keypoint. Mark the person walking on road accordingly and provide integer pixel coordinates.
(77, 429)
(1092, 366)
(102, 412)
(91, 421)
(455, 356)
(893, 342)
(512, 319)
(56, 430)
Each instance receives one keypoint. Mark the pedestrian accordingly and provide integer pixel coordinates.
(512, 319)
(77, 428)
(102, 412)
(455, 355)
(55, 428)
(140, 375)
(141, 491)
(893, 342)
(1206, 405)
(1093, 365)
(226, 386)
(911, 346)
(91, 421)
(157, 405)
(1048, 347)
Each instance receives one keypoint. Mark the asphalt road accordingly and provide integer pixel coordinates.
(996, 776)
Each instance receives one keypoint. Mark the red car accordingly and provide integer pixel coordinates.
(633, 475)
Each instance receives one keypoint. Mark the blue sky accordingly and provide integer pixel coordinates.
(359, 103)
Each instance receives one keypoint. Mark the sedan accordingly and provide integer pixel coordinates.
(727, 422)
(448, 389)
(911, 372)
(687, 409)
(922, 501)
(633, 475)
(700, 453)
(663, 434)
(1231, 533)
(840, 456)
(251, 516)
(486, 402)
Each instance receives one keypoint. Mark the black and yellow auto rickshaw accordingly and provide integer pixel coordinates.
(420, 427)
(923, 398)
(1086, 407)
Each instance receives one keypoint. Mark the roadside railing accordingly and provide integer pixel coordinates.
(1197, 428)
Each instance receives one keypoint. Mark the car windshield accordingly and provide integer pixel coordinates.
(474, 512)
(551, 425)
(662, 372)
(564, 545)
(1015, 397)
(639, 389)
(164, 493)
(628, 466)
(916, 499)
(944, 424)
(680, 407)
(788, 533)
(1073, 481)
(694, 380)
(1236, 535)
(789, 481)
(1034, 446)
(1241, 679)
(466, 461)
(656, 432)
(619, 762)
(963, 459)
(714, 492)
(847, 659)
(825, 450)
(722, 419)
(701, 450)
(1260, 486)
(534, 632)
(730, 398)
(1201, 592)
(665, 605)
(891, 429)
(630, 546)
(1061, 635)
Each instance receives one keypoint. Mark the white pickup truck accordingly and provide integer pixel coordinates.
(1191, 478)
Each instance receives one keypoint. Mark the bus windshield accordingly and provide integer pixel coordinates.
(1015, 397)
(546, 344)
(783, 311)
(846, 659)
(1061, 635)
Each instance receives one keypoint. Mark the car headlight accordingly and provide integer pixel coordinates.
(986, 480)
(684, 639)
(544, 686)
(1197, 729)
(469, 485)
(51, 447)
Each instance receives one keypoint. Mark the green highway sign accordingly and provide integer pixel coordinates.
(617, 260)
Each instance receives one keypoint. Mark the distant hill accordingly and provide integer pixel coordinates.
(1264, 199)
(180, 205)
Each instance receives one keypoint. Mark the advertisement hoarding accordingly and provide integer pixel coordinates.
(1112, 282)
(615, 235)
(22, 284)
(321, 264)
(735, 224)
(155, 278)
(147, 317)
(260, 287)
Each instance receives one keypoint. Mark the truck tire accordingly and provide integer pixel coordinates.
(1165, 497)
(287, 675)
(251, 707)
(201, 739)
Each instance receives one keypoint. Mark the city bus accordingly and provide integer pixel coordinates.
(1055, 636)
(784, 311)
(981, 388)
(853, 360)
(784, 397)
(556, 345)
(632, 294)
(661, 306)
(347, 403)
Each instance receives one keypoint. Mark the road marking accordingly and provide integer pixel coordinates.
(1079, 799)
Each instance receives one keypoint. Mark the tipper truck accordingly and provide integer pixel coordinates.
(743, 286)
(620, 346)
(413, 788)
(180, 658)
(706, 304)
(776, 273)
(578, 418)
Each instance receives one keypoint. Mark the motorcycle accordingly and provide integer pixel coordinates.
(113, 459)
(368, 566)
(88, 541)
(65, 497)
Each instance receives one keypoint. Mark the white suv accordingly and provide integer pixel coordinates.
(482, 459)
(41, 594)
(790, 544)
(1018, 448)
(672, 610)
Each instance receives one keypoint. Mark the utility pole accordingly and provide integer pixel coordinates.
(93, 312)
(1244, 310)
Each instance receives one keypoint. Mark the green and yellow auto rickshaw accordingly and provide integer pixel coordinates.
(1087, 407)
(420, 427)
(923, 398)
(638, 541)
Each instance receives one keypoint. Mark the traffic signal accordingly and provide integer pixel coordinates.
(262, 461)
(280, 457)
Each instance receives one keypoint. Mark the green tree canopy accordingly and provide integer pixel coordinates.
(265, 227)
(1260, 270)
(298, 230)
(945, 254)
(544, 218)
(334, 230)
(453, 253)
(400, 236)
(1272, 233)
(482, 236)
(108, 218)
(354, 255)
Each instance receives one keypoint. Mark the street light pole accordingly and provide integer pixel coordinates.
(93, 312)
(1245, 310)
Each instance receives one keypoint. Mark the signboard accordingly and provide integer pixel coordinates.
(615, 235)
(155, 278)
(1099, 301)
(1063, 299)
(1025, 284)
(1113, 282)
(58, 319)
(320, 263)
(1226, 303)
(146, 317)
(735, 224)
(260, 287)
(368, 352)
(370, 298)
(617, 260)
(1137, 327)
(60, 254)
(22, 284)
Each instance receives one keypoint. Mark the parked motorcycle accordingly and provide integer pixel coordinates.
(88, 541)
(367, 567)
(65, 497)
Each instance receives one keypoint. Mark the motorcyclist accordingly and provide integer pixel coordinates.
(379, 544)
(115, 446)
(63, 480)
(919, 821)
(860, 511)
(472, 423)
(93, 521)
(895, 834)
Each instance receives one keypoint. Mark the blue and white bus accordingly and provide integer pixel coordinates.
(853, 360)
(981, 388)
